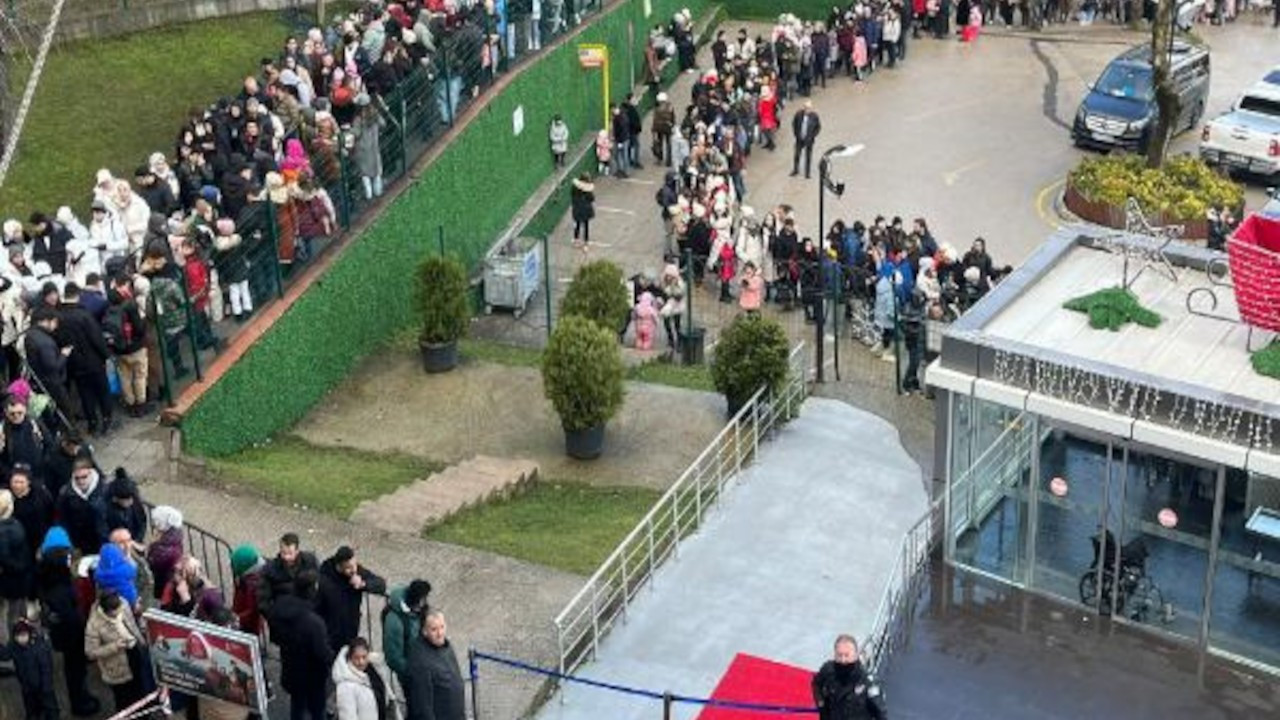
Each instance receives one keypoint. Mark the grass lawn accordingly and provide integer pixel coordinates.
(568, 526)
(111, 103)
(329, 479)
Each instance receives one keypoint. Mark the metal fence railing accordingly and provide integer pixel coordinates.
(354, 155)
(890, 629)
(585, 620)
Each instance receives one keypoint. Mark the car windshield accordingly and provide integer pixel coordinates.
(1260, 105)
(1126, 81)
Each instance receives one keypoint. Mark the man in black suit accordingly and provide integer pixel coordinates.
(806, 125)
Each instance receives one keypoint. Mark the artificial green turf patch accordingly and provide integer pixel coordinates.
(1112, 309)
(1267, 361)
(330, 479)
(569, 526)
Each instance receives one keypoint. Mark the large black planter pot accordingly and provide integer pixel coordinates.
(584, 444)
(438, 357)
(734, 404)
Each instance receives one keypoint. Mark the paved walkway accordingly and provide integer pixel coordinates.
(799, 552)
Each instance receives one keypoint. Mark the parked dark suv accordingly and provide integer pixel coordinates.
(1120, 108)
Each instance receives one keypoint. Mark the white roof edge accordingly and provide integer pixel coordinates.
(1000, 393)
(948, 379)
(1185, 443)
(1080, 415)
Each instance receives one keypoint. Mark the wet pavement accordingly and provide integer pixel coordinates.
(980, 649)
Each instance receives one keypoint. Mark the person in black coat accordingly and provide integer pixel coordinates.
(49, 243)
(634, 127)
(32, 508)
(82, 508)
(62, 618)
(15, 562)
(583, 200)
(87, 363)
(124, 506)
(279, 575)
(805, 126)
(26, 441)
(436, 689)
(33, 664)
(343, 584)
(48, 361)
(305, 657)
(844, 690)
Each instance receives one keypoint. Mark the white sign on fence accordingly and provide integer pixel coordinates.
(517, 121)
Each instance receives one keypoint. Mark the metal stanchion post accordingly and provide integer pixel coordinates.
(440, 238)
(473, 666)
(668, 706)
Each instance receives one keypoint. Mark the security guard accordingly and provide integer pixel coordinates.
(844, 690)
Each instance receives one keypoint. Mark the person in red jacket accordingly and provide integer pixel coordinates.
(196, 272)
(768, 112)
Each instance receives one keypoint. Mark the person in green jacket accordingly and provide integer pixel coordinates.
(401, 622)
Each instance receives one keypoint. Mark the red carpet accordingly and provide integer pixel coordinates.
(756, 680)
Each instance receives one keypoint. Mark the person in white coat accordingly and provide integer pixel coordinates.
(133, 212)
(360, 692)
(107, 236)
(82, 258)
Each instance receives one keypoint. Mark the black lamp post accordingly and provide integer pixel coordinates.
(825, 183)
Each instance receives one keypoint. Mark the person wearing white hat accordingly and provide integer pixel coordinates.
(664, 123)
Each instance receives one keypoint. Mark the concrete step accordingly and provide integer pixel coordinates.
(419, 505)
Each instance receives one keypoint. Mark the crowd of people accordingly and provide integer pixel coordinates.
(885, 276)
(200, 233)
(82, 559)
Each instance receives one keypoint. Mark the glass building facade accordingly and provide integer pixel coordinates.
(1180, 544)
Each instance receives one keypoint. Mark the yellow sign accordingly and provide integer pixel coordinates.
(591, 56)
(596, 55)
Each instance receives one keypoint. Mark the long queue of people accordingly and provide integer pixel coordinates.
(886, 279)
(249, 188)
(81, 561)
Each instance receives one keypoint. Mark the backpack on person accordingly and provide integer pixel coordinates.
(117, 329)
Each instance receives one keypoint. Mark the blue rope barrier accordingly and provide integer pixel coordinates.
(640, 692)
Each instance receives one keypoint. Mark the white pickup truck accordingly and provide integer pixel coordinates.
(1248, 137)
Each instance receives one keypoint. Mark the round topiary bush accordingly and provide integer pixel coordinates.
(598, 294)
(582, 373)
(751, 353)
(442, 300)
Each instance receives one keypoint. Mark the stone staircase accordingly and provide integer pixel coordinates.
(428, 502)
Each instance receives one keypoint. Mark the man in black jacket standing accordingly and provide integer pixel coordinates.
(435, 690)
(49, 243)
(48, 361)
(280, 573)
(805, 126)
(343, 584)
(305, 657)
(844, 690)
(87, 363)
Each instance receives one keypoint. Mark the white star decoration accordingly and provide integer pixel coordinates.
(1143, 243)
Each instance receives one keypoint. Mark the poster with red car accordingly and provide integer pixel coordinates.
(200, 658)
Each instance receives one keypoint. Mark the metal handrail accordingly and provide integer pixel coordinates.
(605, 597)
(906, 580)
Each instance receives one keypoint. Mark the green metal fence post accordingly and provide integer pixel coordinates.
(191, 330)
(274, 228)
(344, 190)
(546, 278)
(440, 238)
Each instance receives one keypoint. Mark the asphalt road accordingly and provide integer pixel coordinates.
(975, 137)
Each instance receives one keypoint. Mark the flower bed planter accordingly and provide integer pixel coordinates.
(1113, 216)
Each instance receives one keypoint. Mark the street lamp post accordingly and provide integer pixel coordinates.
(825, 183)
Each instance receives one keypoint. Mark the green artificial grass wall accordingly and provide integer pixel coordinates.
(771, 9)
(473, 189)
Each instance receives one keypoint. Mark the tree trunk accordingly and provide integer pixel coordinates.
(320, 12)
(1166, 97)
(1135, 14)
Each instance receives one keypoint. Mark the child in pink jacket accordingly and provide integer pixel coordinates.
(645, 316)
